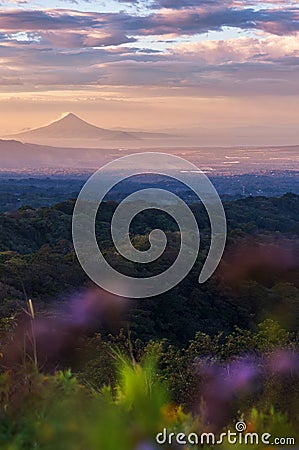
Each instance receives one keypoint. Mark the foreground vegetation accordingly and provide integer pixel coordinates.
(125, 394)
(81, 369)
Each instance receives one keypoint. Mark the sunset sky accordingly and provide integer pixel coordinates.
(216, 65)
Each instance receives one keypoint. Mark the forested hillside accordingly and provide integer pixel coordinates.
(238, 333)
(257, 278)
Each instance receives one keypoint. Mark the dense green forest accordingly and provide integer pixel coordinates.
(170, 358)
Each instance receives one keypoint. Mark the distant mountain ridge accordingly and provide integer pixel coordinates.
(16, 155)
(71, 127)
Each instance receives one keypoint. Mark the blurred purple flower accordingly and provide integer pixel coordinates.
(283, 362)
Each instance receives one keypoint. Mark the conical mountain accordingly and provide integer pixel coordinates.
(72, 127)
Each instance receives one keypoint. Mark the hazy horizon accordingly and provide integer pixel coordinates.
(223, 72)
(184, 137)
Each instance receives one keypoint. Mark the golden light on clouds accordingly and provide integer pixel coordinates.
(205, 67)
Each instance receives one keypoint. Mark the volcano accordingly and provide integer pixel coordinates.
(72, 127)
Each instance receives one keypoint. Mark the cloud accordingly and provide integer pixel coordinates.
(120, 28)
(14, 2)
(241, 49)
(199, 4)
(63, 47)
(190, 22)
(66, 29)
(176, 4)
(235, 67)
